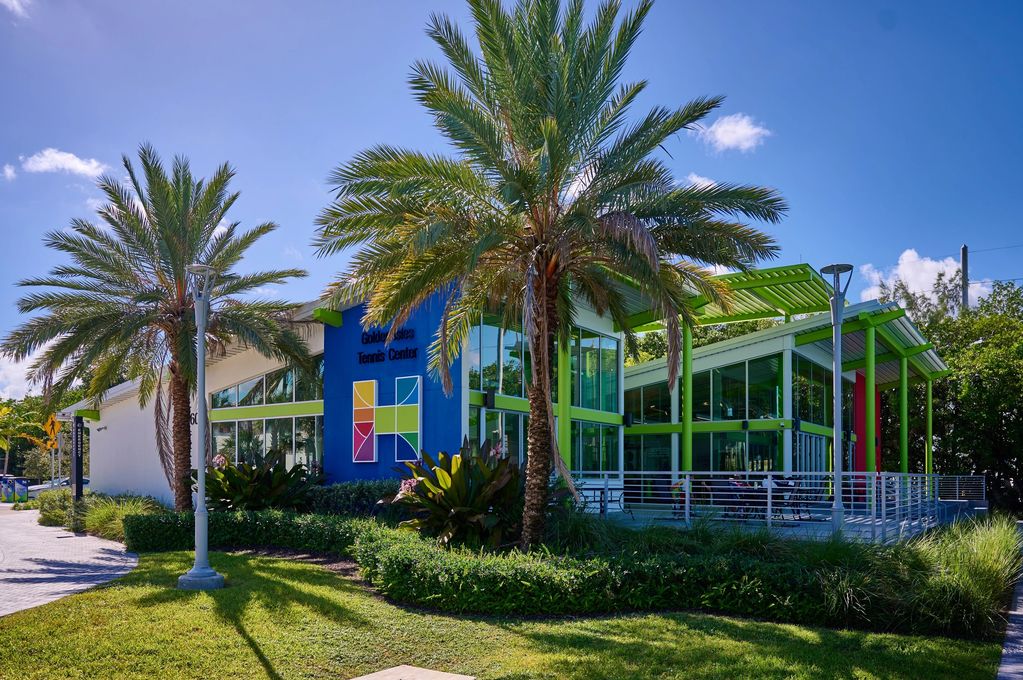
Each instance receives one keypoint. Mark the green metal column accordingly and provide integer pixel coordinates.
(565, 404)
(904, 414)
(686, 445)
(928, 441)
(869, 400)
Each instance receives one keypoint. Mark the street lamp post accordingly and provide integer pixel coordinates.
(837, 310)
(201, 576)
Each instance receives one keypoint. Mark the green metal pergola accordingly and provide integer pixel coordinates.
(887, 348)
(777, 292)
(784, 292)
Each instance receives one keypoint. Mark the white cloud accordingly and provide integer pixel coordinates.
(293, 253)
(17, 7)
(919, 274)
(55, 160)
(94, 204)
(14, 384)
(9, 173)
(220, 228)
(737, 131)
(699, 181)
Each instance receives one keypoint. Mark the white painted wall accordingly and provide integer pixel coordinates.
(123, 457)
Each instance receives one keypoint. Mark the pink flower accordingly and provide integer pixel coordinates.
(219, 461)
(407, 487)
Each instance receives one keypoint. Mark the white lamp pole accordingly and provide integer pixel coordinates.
(201, 576)
(837, 311)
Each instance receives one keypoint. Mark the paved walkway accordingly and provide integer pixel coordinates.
(41, 564)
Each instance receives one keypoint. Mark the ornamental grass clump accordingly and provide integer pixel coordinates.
(104, 516)
(973, 565)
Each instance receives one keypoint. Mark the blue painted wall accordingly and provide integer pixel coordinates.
(441, 416)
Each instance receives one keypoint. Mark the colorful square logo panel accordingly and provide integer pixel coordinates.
(383, 429)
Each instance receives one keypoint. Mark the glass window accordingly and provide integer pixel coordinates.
(657, 452)
(224, 398)
(250, 392)
(223, 439)
(764, 451)
(510, 377)
(280, 386)
(473, 357)
(490, 357)
(765, 387)
(801, 381)
(280, 440)
(589, 370)
(701, 452)
(250, 441)
(474, 426)
(728, 451)
(729, 386)
(609, 449)
(608, 374)
(309, 386)
(506, 434)
(701, 395)
(633, 452)
(634, 404)
(589, 447)
(309, 442)
(656, 403)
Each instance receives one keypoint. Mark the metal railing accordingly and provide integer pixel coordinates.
(961, 488)
(875, 506)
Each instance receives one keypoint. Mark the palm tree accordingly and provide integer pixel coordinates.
(553, 194)
(15, 425)
(123, 309)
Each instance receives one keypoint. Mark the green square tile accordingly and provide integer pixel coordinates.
(385, 420)
(407, 419)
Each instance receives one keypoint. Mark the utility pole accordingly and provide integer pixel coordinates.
(964, 269)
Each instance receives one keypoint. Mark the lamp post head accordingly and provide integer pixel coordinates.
(837, 269)
(199, 269)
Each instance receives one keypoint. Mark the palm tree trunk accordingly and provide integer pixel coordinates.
(181, 434)
(540, 435)
(538, 465)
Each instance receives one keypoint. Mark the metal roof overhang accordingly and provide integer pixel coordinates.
(755, 294)
(895, 337)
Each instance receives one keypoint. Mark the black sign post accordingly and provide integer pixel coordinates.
(77, 454)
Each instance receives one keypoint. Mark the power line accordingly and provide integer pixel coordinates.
(988, 250)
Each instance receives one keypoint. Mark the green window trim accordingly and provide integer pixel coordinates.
(300, 408)
(763, 425)
(594, 416)
(502, 402)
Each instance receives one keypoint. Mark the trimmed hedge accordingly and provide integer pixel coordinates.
(837, 584)
(356, 498)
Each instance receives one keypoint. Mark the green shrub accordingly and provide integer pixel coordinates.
(952, 581)
(355, 498)
(104, 516)
(54, 507)
(30, 504)
(268, 483)
(473, 497)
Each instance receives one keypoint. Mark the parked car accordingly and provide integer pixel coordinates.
(64, 482)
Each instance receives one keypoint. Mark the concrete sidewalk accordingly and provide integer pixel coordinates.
(41, 564)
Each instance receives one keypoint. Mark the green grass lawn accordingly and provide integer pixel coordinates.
(289, 619)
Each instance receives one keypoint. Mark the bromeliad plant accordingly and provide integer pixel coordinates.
(472, 497)
(268, 483)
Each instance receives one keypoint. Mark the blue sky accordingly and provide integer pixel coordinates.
(892, 128)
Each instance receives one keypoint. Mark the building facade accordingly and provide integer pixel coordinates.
(760, 402)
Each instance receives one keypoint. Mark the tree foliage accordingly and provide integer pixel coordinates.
(123, 307)
(978, 409)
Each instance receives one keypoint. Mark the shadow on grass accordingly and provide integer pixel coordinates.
(705, 646)
(272, 584)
